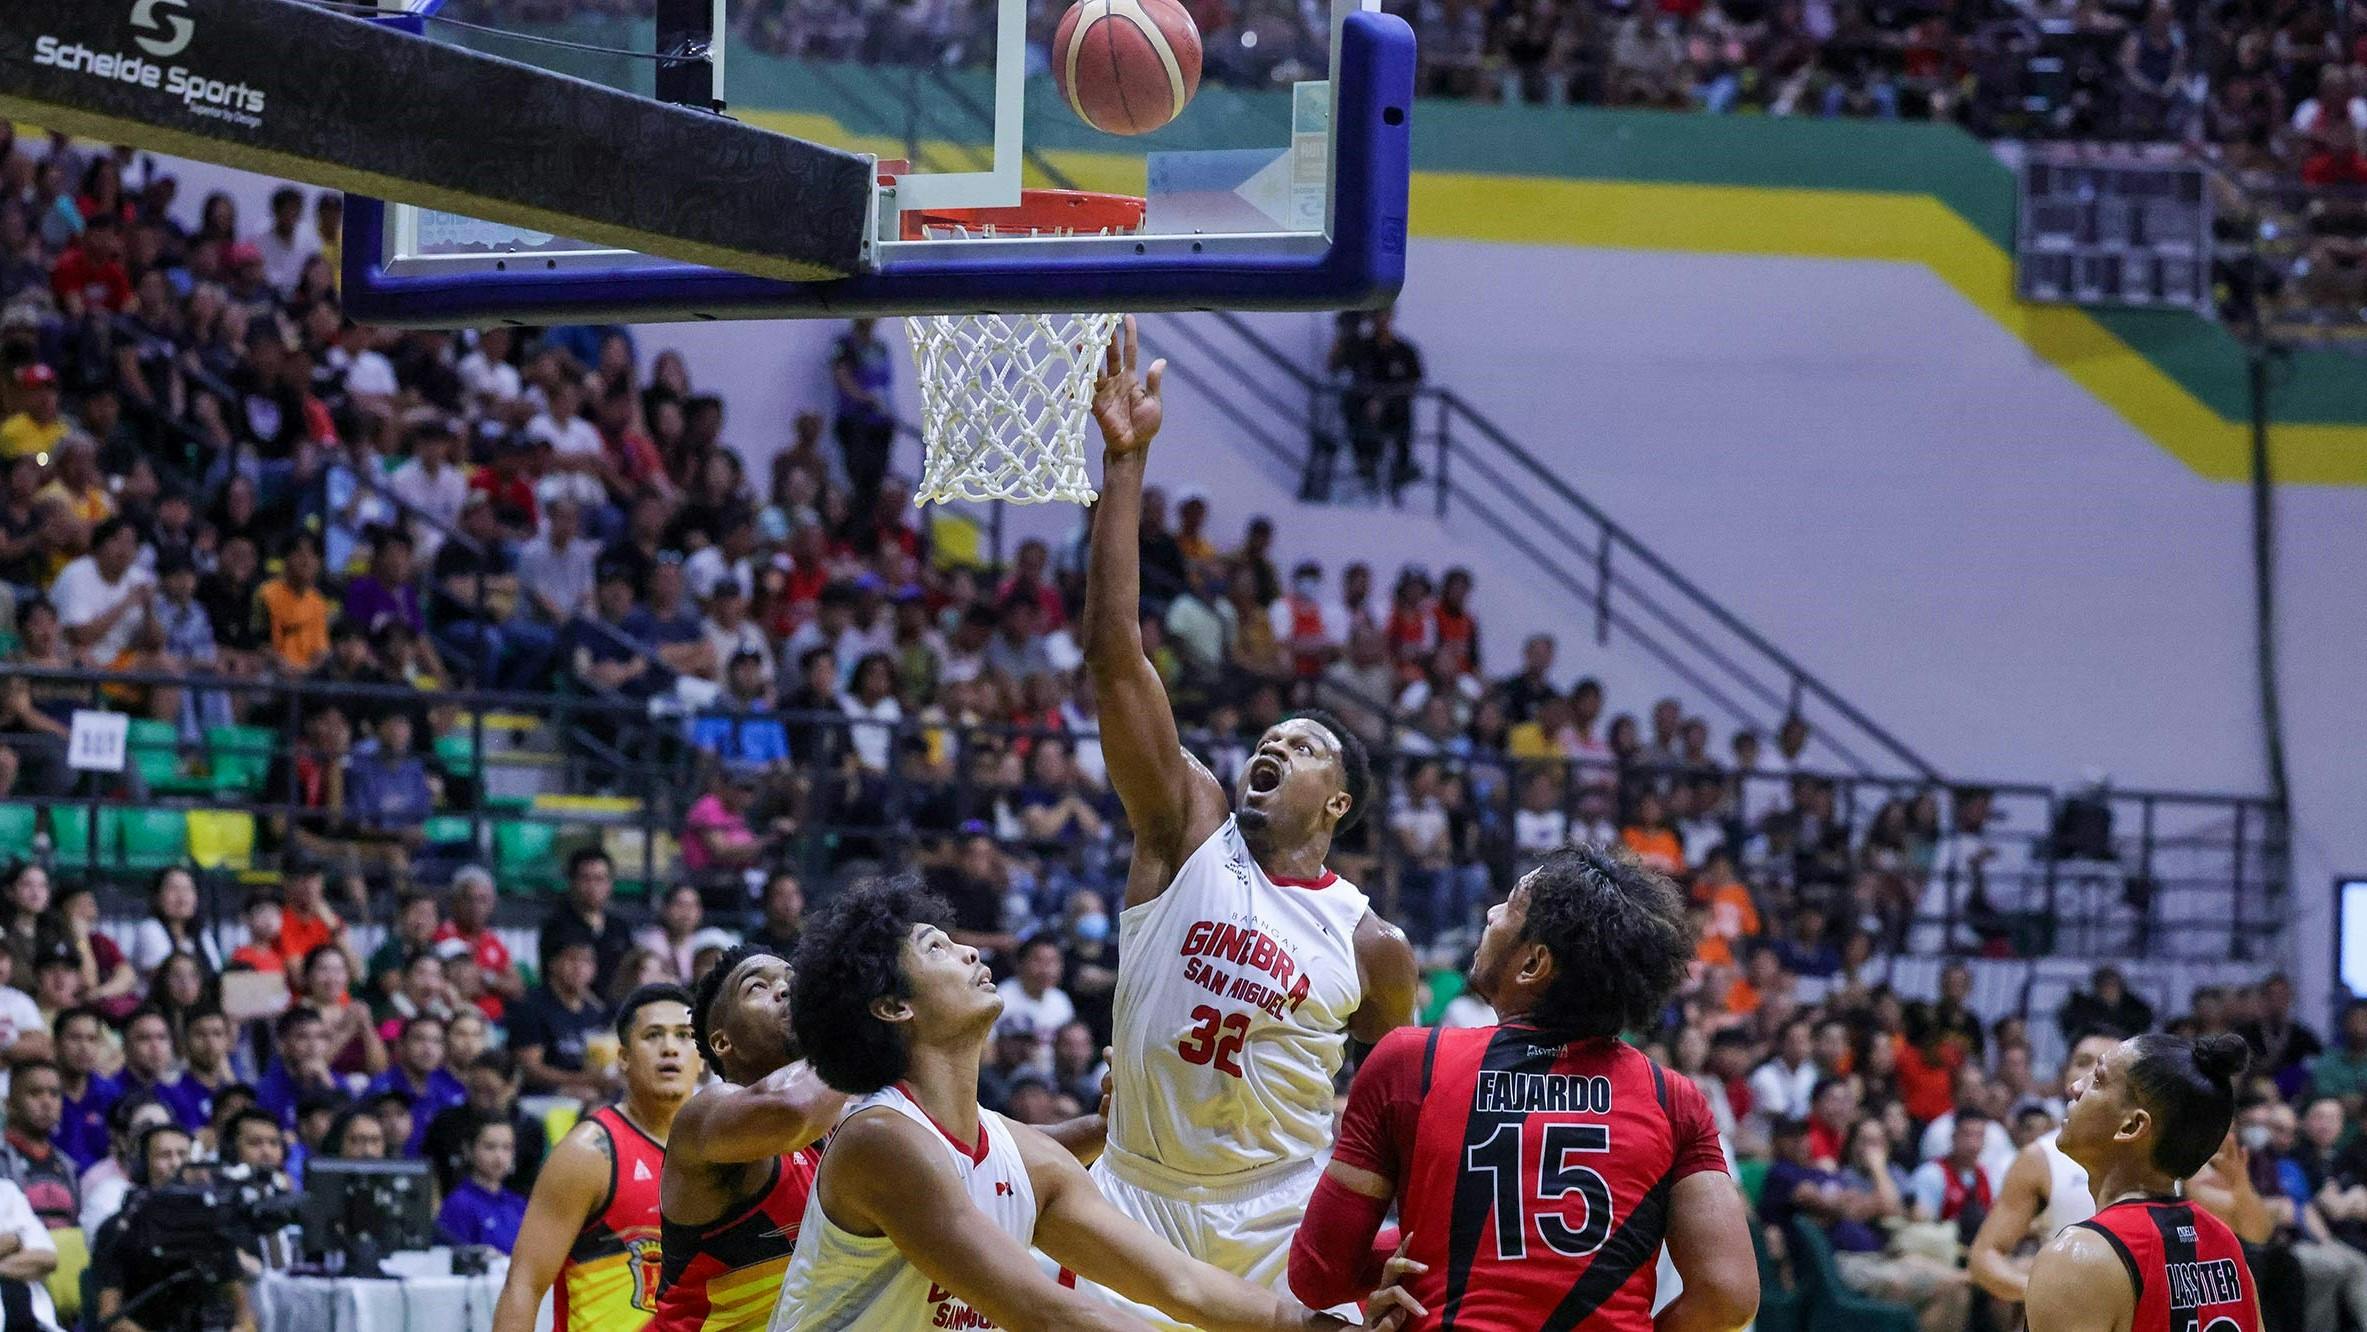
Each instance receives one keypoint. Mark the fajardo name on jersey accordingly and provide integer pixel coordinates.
(1503, 1092)
(236, 102)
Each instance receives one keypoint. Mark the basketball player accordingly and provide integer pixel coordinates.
(592, 1223)
(2043, 1191)
(740, 1159)
(1244, 964)
(1538, 1166)
(2148, 1116)
(927, 1204)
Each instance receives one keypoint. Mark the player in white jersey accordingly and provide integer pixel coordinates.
(926, 1204)
(1244, 964)
(2043, 1192)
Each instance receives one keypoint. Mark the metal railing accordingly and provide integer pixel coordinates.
(2157, 873)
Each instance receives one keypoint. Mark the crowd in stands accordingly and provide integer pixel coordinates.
(213, 479)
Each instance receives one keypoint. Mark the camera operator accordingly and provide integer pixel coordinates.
(27, 1256)
(143, 1290)
(254, 1152)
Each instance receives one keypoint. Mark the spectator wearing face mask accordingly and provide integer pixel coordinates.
(1089, 961)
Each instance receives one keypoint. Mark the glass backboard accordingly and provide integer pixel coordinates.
(1281, 184)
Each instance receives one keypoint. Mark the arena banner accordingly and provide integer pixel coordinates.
(293, 90)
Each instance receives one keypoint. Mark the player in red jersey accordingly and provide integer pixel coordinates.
(2149, 1115)
(1538, 1166)
(591, 1228)
(740, 1159)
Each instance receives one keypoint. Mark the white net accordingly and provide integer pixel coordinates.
(1005, 404)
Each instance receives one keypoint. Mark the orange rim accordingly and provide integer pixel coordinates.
(1039, 213)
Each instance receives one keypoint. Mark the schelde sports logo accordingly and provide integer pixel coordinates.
(163, 30)
(177, 28)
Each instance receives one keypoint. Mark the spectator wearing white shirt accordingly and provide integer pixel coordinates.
(1972, 1094)
(1419, 825)
(369, 377)
(492, 385)
(1540, 825)
(732, 555)
(1965, 890)
(287, 243)
(578, 466)
(1784, 1087)
(1309, 630)
(103, 598)
(559, 568)
(28, 1255)
(729, 629)
(1037, 1000)
(872, 704)
(108, 1181)
(431, 486)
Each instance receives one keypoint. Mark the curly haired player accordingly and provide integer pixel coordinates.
(1539, 1165)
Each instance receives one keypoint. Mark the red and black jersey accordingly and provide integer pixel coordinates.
(1533, 1175)
(2187, 1266)
(725, 1276)
(610, 1278)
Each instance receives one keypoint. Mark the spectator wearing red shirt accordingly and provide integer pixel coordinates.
(509, 482)
(1412, 629)
(473, 896)
(1029, 578)
(91, 276)
(306, 919)
(261, 950)
(1454, 622)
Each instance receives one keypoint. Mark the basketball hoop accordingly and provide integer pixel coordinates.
(1006, 399)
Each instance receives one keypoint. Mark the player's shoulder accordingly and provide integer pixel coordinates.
(589, 1138)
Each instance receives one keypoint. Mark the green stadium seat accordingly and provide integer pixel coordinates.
(155, 838)
(69, 832)
(1832, 1305)
(156, 751)
(525, 851)
(17, 826)
(241, 755)
(1782, 1307)
(446, 830)
(457, 753)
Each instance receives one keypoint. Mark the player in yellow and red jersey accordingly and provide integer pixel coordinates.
(593, 1224)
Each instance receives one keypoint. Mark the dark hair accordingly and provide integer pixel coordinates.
(1356, 766)
(495, 1061)
(19, 1068)
(707, 991)
(138, 1170)
(585, 856)
(200, 1011)
(145, 1011)
(119, 1115)
(296, 1016)
(480, 1123)
(1822, 1086)
(333, 1141)
(665, 992)
(415, 1020)
(1973, 1114)
(1620, 936)
(253, 1114)
(79, 1011)
(853, 954)
(2189, 1086)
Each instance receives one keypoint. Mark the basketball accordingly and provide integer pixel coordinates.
(1126, 66)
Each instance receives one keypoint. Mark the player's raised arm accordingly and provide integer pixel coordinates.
(781, 1112)
(1079, 1228)
(2078, 1284)
(1168, 797)
(885, 1175)
(573, 1183)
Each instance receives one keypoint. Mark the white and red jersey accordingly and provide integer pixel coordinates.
(842, 1282)
(1234, 995)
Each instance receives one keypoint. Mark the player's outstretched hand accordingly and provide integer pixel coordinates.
(1127, 408)
(1391, 1307)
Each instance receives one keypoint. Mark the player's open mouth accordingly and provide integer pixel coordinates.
(1264, 774)
(985, 979)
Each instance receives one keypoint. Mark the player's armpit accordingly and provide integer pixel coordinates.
(782, 1112)
(572, 1185)
(1081, 1231)
(1709, 1240)
(884, 1175)
(1991, 1260)
(1385, 961)
(2079, 1284)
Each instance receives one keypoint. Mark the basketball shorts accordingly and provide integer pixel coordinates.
(1243, 1228)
